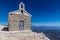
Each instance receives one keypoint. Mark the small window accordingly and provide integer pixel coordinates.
(21, 11)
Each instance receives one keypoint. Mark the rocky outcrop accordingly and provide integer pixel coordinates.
(22, 35)
(1, 27)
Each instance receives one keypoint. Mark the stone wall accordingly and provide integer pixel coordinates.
(21, 35)
(14, 21)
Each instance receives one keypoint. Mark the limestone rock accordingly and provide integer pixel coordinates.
(22, 35)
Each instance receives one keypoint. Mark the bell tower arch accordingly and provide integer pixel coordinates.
(22, 6)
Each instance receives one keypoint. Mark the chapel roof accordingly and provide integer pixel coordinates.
(18, 12)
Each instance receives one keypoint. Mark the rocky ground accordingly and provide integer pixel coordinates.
(22, 35)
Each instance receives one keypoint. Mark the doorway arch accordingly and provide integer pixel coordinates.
(21, 24)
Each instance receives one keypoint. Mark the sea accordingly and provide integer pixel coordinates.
(52, 32)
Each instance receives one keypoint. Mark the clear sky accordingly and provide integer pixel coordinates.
(42, 11)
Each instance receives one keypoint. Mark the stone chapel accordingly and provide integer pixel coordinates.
(19, 19)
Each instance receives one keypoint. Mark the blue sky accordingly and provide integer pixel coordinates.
(44, 12)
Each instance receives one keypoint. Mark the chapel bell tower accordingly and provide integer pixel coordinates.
(21, 6)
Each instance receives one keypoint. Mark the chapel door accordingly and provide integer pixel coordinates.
(21, 25)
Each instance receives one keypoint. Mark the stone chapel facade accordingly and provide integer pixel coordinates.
(19, 19)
